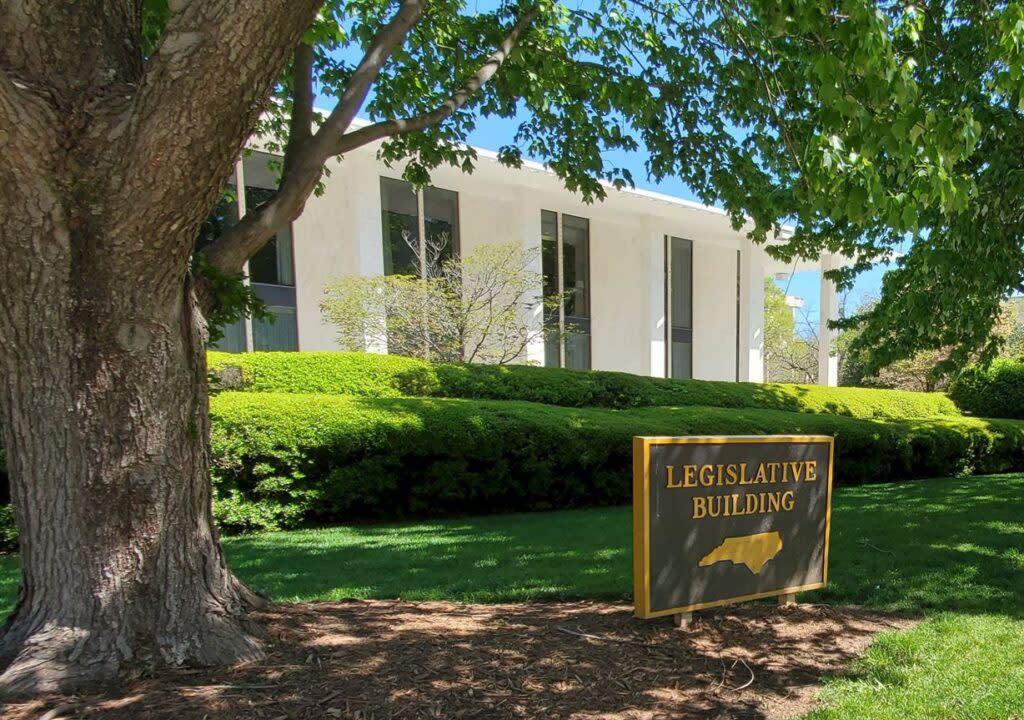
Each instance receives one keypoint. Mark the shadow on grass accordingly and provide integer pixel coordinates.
(533, 556)
(952, 544)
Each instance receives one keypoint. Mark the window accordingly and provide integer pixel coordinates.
(679, 307)
(280, 334)
(272, 268)
(273, 264)
(565, 259)
(271, 271)
(420, 228)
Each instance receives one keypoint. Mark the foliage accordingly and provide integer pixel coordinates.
(789, 356)
(476, 307)
(779, 330)
(8, 532)
(993, 391)
(925, 370)
(328, 459)
(846, 121)
(962, 63)
(392, 376)
(234, 299)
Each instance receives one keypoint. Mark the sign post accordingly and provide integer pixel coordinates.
(718, 520)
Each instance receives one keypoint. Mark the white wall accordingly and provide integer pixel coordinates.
(619, 298)
(714, 312)
(339, 233)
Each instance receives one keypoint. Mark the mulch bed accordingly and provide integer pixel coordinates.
(381, 659)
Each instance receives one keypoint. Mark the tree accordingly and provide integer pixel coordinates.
(923, 154)
(472, 308)
(121, 119)
(789, 356)
(925, 370)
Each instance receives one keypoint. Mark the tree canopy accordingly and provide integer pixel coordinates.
(867, 126)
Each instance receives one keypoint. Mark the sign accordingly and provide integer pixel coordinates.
(725, 519)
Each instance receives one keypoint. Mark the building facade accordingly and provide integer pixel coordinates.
(654, 285)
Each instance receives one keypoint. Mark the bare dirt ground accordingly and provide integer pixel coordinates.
(381, 659)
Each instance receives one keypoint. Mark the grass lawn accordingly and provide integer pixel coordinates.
(951, 550)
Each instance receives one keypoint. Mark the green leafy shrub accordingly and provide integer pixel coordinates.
(8, 533)
(995, 391)
(376, 375)
(339, 459)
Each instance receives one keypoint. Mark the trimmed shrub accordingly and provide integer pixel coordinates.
(376, 375)
(288, 459)
(995, 391)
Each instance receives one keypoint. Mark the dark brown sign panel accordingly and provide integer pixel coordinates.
(725, 519)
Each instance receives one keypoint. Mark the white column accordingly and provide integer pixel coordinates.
(240, 201)
(828, 309)
(368, 230)
(528, 223)
(656, 284)
(751, 305)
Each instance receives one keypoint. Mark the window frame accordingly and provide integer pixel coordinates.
(675, 334)
(585, 322)
(421, 222)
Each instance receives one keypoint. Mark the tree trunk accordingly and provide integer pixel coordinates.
(106, 423)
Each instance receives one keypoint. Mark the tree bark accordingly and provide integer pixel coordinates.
(110, 163)
(106, 418)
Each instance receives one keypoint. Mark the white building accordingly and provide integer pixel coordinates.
(664, 286)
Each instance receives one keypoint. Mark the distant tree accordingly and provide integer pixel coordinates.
(925, 370)
(790, 347)
(484, 306)
(779, 330)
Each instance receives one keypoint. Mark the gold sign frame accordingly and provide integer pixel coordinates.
(642, 517)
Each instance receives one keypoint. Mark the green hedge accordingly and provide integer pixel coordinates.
(287, 459)
(995, 391)
(394, 376)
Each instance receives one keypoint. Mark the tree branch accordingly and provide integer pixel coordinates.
(200, 97)
(300, 124)
(381, 48)
(389, 128)
(239, 242)
(305, 162)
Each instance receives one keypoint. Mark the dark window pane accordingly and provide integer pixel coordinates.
(682, 361)
(576, 265)
(233, 339)
(273, 263)
(281, 334)
(551, 358)
(549, 260)
(441, 220)
(223, 216)
(400, 227)
(577, 352)
(682, 283)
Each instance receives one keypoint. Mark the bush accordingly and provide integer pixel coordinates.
(330, 459)
(995, 391)
(394, 376)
